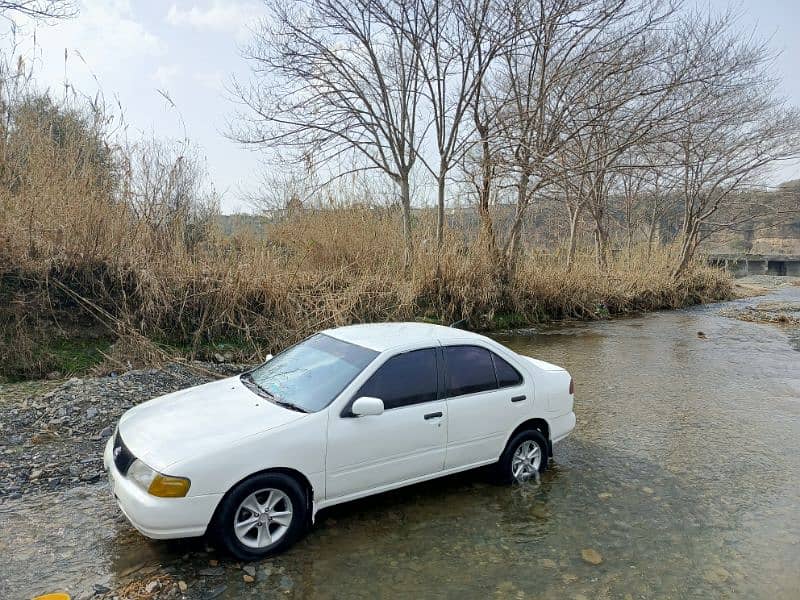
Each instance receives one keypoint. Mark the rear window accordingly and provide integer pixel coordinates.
(507, 376)
(469, 370)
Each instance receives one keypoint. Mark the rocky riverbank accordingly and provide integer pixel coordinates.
(776, 311)
(52, 433)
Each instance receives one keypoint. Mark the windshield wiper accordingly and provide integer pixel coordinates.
(290, 405)
(247, 379)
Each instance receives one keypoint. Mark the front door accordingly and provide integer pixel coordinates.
(405, 442)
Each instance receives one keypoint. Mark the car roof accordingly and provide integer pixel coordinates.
(382, 336)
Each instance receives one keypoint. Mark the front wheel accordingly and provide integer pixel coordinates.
(261, 516)
(525, 456)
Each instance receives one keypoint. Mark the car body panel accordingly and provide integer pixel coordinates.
(221, 433)
(367, 452)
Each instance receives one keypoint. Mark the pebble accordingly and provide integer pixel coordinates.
(248, 578)
(152, 586)
(716, 575)
(216, 592)
(182, 586)
(53, 435)
(591, 556)
(250, 570)
(548, 563)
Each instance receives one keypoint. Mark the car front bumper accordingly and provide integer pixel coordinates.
(159, 518)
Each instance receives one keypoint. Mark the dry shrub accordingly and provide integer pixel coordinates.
(76, 248)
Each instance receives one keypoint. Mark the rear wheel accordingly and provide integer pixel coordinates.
(524, 457)
(261, 516)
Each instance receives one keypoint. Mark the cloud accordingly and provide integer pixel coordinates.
(108, 30)
(210, 79)
(107, 43)
(219, 15)
(165, 74)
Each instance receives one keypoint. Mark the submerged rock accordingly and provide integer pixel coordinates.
(591, 556)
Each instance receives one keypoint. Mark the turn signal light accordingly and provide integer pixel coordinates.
(571, 386)
(165, 486)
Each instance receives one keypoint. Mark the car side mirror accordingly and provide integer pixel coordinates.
(367, 406)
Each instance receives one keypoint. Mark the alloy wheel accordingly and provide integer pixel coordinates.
(526, 460)
(263, 518)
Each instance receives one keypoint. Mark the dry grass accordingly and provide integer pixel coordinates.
(74, 255)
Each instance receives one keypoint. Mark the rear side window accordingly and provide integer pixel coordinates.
(408, 378)
(507, 376)
(469, 370)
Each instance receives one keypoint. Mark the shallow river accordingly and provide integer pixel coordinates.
(683, 474)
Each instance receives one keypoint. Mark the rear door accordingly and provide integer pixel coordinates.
(405, 442)
(486, 400)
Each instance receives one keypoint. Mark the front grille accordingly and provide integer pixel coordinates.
(123, 458)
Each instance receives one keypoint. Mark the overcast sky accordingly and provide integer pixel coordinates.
(191, 50)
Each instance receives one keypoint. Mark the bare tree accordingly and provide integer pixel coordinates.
(38, 9)
(564, 50)
(337, 79)
(165, 186)
(733, 130)
(457, 41)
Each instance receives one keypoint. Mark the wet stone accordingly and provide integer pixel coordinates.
(591, 556)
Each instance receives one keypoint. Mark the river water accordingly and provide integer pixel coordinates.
(683, 475)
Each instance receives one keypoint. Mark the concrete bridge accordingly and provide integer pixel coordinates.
(756, 264)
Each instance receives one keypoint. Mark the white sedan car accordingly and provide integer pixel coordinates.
(346, 413)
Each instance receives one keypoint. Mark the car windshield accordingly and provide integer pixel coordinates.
(309, 375)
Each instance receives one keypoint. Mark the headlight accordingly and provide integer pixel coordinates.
(156, 484)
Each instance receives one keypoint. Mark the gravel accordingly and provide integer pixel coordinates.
(769, 281)
(52, 434)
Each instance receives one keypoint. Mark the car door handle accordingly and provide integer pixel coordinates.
(434, 415)
(518, 398)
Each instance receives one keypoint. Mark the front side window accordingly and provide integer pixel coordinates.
(469, 370)
(404, 379)
(309, 375)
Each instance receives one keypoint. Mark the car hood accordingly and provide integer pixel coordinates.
(197, 421)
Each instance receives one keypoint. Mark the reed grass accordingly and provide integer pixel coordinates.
(75, 257)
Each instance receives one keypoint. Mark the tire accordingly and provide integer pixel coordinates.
(272, 512)
(508, 470)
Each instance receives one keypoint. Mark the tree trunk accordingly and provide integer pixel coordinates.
(440, 206)
(573, 236)
(601, 244)
(487, 235)
(688, 246)
(405, 200)
(651, 234)
(513, 243)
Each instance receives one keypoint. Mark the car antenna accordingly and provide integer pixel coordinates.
(460, 324)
